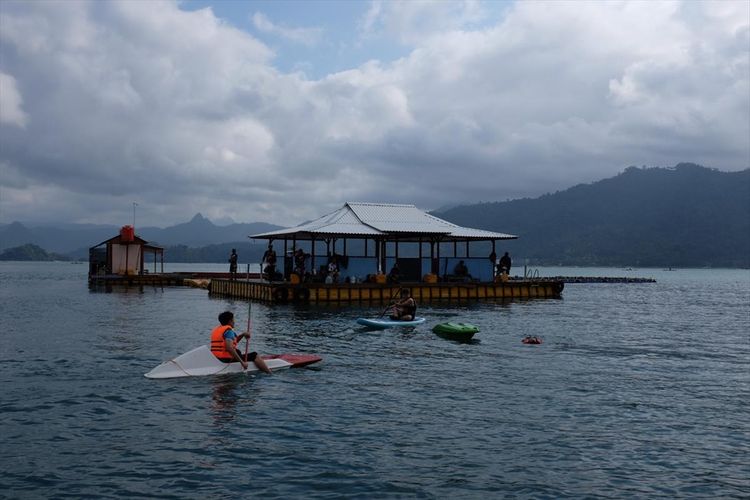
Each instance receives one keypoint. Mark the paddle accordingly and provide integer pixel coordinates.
(390, 302)
(247, 339)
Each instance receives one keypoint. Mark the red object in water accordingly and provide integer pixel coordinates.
(127, 233)
(531, 340)
(297, 360)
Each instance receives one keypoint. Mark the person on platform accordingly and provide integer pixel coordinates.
(461, 270)
(405, 309)
(233, 264)
(332, 269)
(224, 344)
(299, 262)
(394, 275)
(504, 265)
(269, 262)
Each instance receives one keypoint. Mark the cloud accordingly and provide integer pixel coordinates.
(115, 102)
(11, 103)
(305, 36)
(411, 22)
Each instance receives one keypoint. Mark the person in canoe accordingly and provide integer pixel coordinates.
(224, 344)
(405, 309)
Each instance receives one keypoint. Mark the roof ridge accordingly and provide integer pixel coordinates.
(380, 204)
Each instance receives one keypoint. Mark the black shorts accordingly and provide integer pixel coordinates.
(405, 317)
(250, 357)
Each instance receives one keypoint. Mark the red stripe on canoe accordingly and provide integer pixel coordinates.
(297, 360)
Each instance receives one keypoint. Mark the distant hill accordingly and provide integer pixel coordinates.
(686, 216)
(30, 253)
(201, 232)
(75, 239)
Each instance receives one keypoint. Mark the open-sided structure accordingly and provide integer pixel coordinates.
(369, 238)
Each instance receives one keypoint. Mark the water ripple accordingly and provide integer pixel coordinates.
(638, 391)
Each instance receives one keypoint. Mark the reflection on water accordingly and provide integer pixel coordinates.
(225, 396)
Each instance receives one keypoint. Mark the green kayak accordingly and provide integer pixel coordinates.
(456, 331)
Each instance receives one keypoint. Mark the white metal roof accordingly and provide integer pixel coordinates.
(382, 219)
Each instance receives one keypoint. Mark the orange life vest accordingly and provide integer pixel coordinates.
(218, 347)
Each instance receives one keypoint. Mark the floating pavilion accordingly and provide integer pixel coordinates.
(366, 240)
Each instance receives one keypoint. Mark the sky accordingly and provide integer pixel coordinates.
(281, 111)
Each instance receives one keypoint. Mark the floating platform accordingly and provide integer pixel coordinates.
(602, 279)
(253, 288)
(137, 280)
(345, 293)
(193, 279)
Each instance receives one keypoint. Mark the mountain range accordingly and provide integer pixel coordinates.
(683, 216)
(74, 240)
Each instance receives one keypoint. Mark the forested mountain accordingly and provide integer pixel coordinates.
(686, 216)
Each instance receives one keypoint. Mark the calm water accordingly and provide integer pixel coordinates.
(639, 391)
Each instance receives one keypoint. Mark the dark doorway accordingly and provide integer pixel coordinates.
(411, 269)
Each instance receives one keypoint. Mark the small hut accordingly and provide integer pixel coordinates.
(124, 255)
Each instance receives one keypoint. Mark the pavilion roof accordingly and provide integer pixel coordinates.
(374, 220)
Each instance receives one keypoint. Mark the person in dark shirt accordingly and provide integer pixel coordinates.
(299, 262)
(504, 265)
(233, 264)
(394, 275)
(461, 270)
(269, 259)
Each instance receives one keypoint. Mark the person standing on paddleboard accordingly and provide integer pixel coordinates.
(406, 308)
(224, 344)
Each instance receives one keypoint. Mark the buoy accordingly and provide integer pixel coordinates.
(531, 339)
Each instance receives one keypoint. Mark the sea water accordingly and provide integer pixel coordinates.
(638, 391)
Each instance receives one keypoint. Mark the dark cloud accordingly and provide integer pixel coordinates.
(106, 103)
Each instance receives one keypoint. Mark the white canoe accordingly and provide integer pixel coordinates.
(200, 362)
(388, 323)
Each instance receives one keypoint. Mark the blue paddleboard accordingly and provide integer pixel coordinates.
(388, 323)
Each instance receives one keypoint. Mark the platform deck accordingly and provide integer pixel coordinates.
(371, 292)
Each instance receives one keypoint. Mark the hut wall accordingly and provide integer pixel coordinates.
(126, 259)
